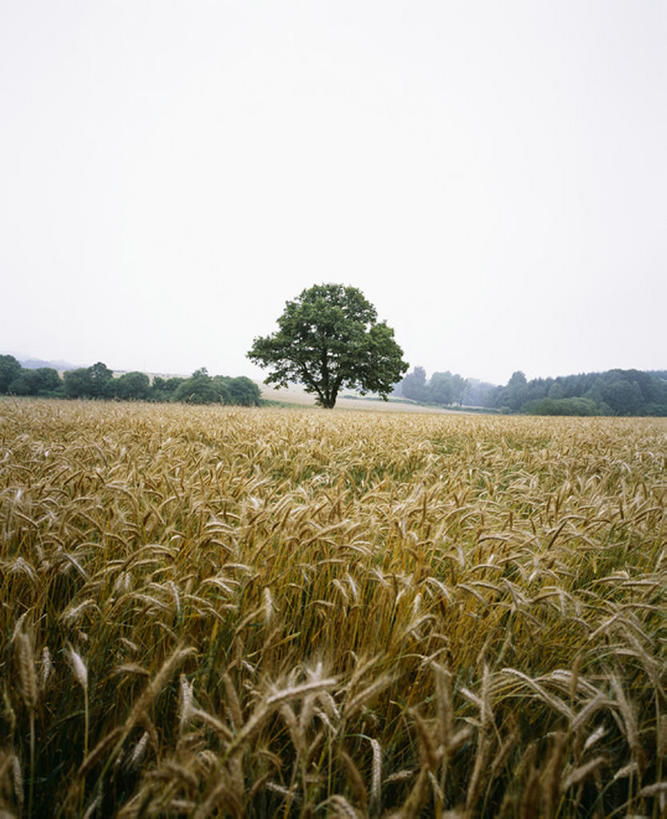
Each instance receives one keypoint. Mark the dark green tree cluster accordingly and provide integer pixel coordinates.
(201, 388)
(97, 381)
(444, 389)
(16, 380)
(614, 392)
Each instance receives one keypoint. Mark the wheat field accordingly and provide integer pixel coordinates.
(265, 612)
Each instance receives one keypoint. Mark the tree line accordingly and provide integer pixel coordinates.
(98, 381)
(614, 392)
(444, 389)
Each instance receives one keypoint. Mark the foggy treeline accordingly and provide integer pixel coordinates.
(614, 392)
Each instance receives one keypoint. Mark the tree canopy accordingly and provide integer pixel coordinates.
(329, 338)
(9, 370)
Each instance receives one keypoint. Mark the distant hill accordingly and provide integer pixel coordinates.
(36, 363)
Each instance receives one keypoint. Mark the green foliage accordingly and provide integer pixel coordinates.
(201, 388)
(561, 406)
(220, 384)
(443, 388)
(329, 338)
(623, 395)
(198, 389)
(516, 392)
(10, 369)
(241, 391)
(615, 392)
(97, 381)
(164, 389)
(77, 383)
(43, 382)
(133, 386)
(556, 390)
(101, 381)
(413, 385)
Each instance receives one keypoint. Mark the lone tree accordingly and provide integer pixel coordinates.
(329, 338)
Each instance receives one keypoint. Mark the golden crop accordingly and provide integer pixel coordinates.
(216, 611)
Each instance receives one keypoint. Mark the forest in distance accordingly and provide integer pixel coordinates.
(98, 381)
(614, 392)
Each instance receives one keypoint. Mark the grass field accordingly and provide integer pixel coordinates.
(296, 397)
(220, 611)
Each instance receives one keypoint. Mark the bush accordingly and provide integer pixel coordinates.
(561, 406)
(133, 386)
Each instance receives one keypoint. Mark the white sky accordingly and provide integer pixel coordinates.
(492, 175)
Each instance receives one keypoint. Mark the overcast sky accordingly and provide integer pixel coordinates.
(492, 175)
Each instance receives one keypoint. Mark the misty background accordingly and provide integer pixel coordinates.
(491, 176)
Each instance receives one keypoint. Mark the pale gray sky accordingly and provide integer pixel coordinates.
(493, 177)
